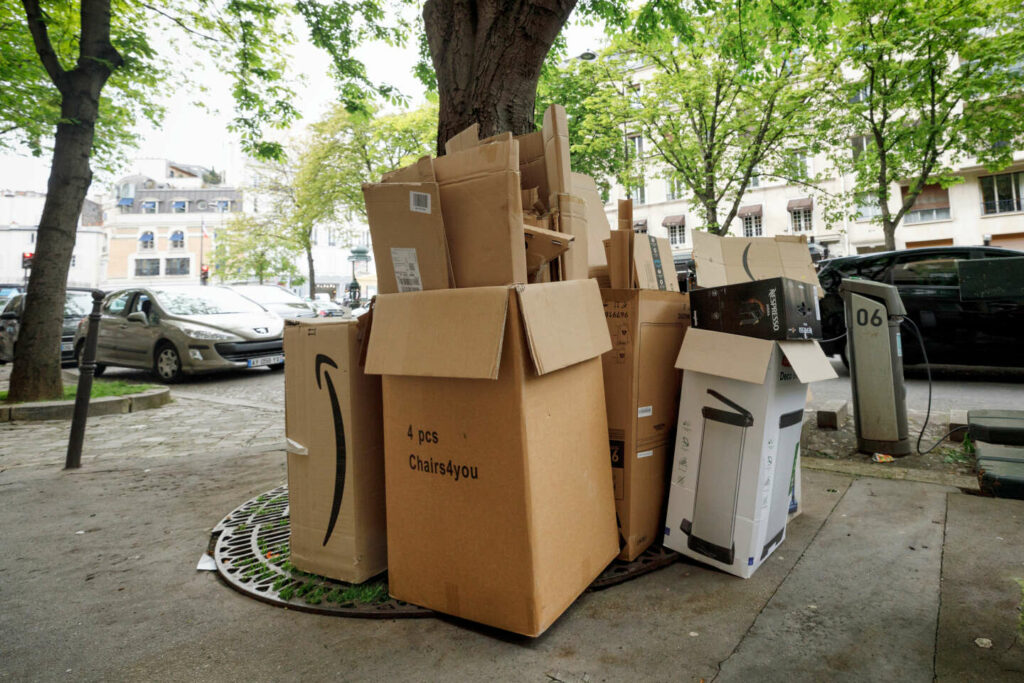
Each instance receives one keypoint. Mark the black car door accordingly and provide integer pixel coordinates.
(999, 324)
(929, 285)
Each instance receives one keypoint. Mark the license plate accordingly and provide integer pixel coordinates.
(265, 360)
(67, 346)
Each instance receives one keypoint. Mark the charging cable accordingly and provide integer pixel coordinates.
(927, 415)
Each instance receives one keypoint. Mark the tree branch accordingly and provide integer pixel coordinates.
(44, 48)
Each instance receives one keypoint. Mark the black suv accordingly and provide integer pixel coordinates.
(955, 332)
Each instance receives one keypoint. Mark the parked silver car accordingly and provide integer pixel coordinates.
(277, 299)
(181, 330)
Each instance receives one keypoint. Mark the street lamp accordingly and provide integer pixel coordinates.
(360, 254)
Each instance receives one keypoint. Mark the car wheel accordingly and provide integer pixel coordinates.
(79, 353)
(167, 363)
(843, 357)
(276, 366)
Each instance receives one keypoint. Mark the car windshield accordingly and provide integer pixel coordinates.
(269, 295)
(77, 304)
(203, 301)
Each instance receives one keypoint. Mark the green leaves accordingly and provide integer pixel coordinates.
(927, 85)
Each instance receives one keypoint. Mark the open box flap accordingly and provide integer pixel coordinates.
(729, 260)
(726, 355)
(564, 323)
(807, 360)
(448, 333)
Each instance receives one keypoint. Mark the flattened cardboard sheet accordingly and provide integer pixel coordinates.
(556, 150)
(598, 229)
(483, 216)
(652, 259)
(410, 251)
(729, 260)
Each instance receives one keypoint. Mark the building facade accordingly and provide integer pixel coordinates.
(986, 208)
(162, 222)
(19, 226)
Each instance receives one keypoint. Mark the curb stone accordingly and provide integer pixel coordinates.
(106, 405)
(881, 471)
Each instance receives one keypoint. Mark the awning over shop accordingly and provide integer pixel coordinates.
(640, 225)
(677, 221)
(797, 204)
(146, 237)
(125, 201)
(749, 210)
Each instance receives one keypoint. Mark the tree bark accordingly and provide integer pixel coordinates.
(312, 273)
(487, 55)
(36, 374)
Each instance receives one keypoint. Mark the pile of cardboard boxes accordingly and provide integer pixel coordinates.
(511, 405)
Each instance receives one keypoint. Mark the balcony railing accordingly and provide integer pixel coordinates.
(1001, 206)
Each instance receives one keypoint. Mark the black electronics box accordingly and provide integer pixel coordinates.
(779, 308)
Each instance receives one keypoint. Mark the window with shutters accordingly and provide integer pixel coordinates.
(752, 226)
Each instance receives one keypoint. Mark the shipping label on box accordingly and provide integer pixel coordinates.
(737, 439)
(481, 443)
(335, 452)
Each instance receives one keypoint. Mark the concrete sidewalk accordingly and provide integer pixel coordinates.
(890, 580)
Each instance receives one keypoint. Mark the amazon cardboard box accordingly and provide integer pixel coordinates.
(730, 260)
(335, 451)
(642, 397)
(500, 506)
(737, 441)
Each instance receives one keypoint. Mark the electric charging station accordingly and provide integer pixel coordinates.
(874, 311)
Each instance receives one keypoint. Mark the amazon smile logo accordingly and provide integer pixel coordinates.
(339, 441)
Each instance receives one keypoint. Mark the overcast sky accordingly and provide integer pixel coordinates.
(192, 135)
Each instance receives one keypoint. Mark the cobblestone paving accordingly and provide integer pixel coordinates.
(175, 430)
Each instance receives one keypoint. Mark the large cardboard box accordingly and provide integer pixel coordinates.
(499, 493)
(335, 451)
(642, 397)
(776, 308)
(737, 439)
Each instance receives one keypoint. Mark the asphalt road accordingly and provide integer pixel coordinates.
(951, 388)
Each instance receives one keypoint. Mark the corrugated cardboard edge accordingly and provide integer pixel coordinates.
(726, 355)
(420, 172)
(464, 139)
(564, 323)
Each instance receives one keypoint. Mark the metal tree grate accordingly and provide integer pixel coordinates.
(250, 546)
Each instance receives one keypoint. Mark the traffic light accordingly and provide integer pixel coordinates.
(26, 259)
(204, 274)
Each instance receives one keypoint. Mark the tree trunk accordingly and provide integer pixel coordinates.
(312, 273)
(36, 374)
(487, 56)
(889, 230)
